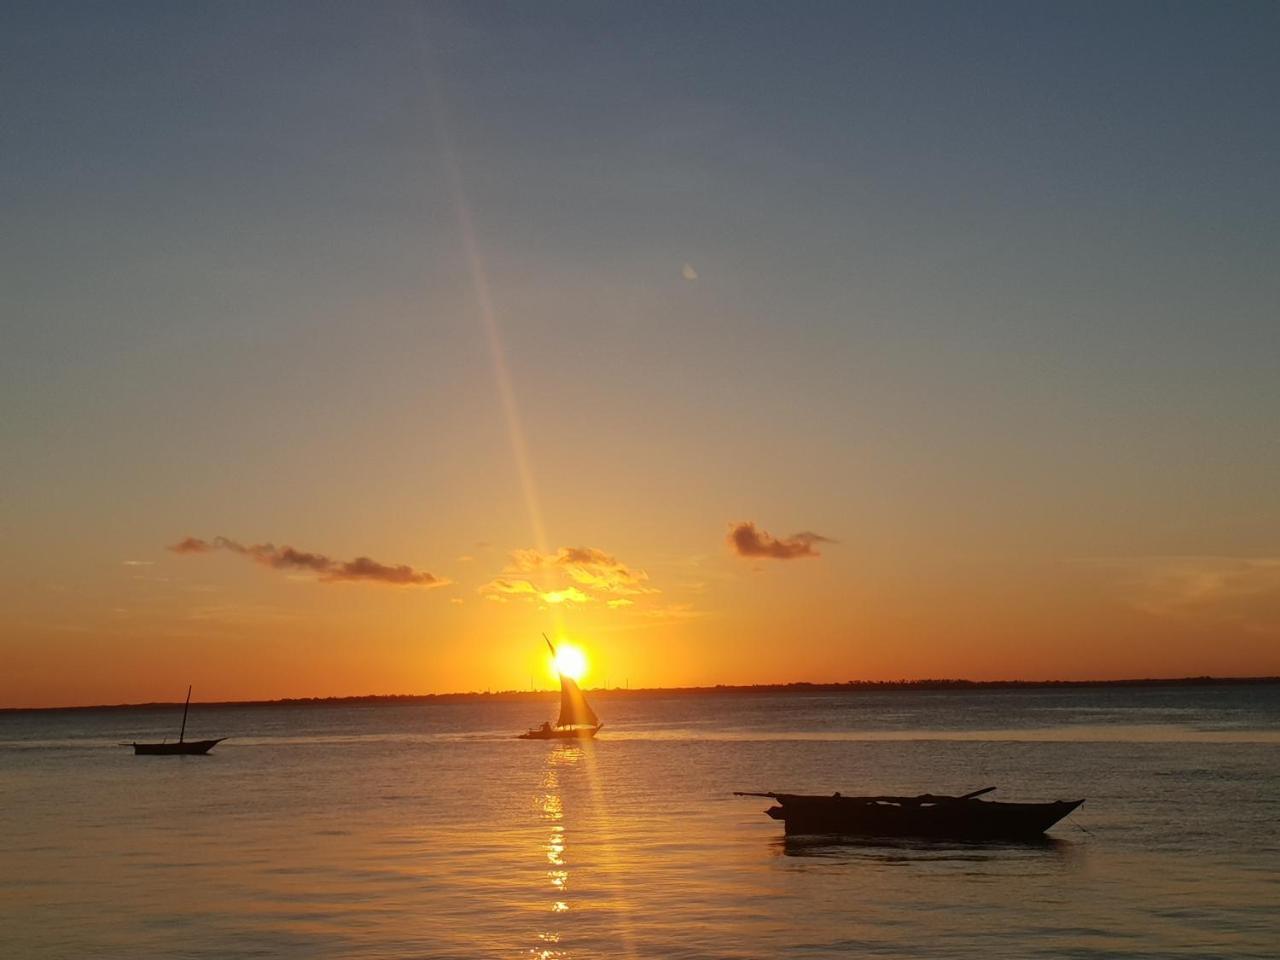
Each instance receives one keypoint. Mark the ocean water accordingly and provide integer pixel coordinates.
(398, 830)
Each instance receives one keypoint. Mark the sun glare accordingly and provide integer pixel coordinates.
(570, 661)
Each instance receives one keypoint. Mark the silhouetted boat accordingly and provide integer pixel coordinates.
(928, 816)
(577, 721)
(183, 746)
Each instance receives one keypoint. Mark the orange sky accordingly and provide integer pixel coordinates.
(140, 627)
(807, 347)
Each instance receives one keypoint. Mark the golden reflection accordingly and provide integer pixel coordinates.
(551, 805)
(555, 847)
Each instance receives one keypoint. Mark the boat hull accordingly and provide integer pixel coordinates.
(561, 733)
(182, 748)
(954, 820)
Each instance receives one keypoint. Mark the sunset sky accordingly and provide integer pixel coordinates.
(346, 348)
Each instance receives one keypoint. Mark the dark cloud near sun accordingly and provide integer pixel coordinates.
(748, 541)
(359, 570)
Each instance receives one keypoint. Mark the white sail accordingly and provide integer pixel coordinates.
(574, 709)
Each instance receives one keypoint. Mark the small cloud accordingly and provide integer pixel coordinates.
(503, 589)
(1195, 586)
(572, 576)
(361, 569)
(191, 545)
(138, 563)
(748, 541)
(567, 595)
(457, 600)
(688, 272)
(587, 567)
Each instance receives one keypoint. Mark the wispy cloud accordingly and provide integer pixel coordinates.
(1192, 586)
(588, 567)
(572, 576)
(688, 272)
(328, 570)
(503, 589)
(748, 541)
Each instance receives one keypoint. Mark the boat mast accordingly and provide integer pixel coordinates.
(551, 646)
(187, 706)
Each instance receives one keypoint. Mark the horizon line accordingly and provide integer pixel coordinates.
(740, 688)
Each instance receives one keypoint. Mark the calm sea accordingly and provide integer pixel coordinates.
(424, 830)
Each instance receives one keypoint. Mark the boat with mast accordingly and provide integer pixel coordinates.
(183, 747)
(577, 721)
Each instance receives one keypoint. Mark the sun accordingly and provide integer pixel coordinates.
(570, 661)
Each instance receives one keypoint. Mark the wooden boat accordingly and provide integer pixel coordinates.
(926, 816)
(190, 747)
(577, 721)
(182, 747)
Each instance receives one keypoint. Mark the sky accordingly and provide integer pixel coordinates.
(346, 348)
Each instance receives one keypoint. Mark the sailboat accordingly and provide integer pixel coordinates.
(577, 721)
(183, 746)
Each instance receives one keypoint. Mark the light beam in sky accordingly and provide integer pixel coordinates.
(488, 320)
(493, 335)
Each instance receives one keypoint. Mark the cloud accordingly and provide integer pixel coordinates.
(1196, 586)
(567, 595)
(747, 541)
(503, 589)
(587, 567)
(688, 272)
(572, 576)
(192, 545)
(138, 563)
(359, 570)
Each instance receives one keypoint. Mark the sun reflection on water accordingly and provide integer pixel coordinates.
(551, 806)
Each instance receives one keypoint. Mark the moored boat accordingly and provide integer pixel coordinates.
(928, 816)
(183, 746)
(577, 721)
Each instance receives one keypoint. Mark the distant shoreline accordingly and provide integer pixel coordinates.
(800, 687)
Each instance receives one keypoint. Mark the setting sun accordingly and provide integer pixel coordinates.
(570, 661)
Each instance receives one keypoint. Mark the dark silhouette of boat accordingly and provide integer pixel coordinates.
(577, 721)
(182, 746)
(926, 816)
